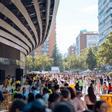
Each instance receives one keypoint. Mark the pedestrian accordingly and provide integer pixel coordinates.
(101, 106)
(90, 98)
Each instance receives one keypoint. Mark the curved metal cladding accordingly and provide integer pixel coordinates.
(25, 24)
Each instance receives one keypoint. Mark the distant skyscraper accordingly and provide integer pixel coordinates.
(105, 18)
(48, 46)
(71, 50)
(86, 40)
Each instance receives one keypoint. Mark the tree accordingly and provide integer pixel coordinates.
(29, 63)
(43, 62)
(91, 60)
(39, 62)
(66, 64)
(57, 58)
(82, 59)
(104, 54)
(71, 62)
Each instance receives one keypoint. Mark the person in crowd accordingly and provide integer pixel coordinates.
(56, 88)
(72, 93)
(66, 84)
(72, 96)
(105, 88)
(17, 106)
(79, 104)
(90, 98)
(81, 84)
(5, 86)
(36, 106)
(35, 91)
(110, 88)
(31, 97)
(101, 106)
(77, 86)
(53, 89)
(45, 95)
(64, 107)
(24, 93)
(54, 98)
(85, 83)
(17, 88)
(101, 80)
(1, 97)
(65, 94)
(50, 87)
(18, 96)
(38, 96)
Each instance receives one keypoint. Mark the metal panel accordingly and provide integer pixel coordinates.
(24, 12)
(12, 17)
(14, 39)
(9, 43)
(36, 6)
(15, 32)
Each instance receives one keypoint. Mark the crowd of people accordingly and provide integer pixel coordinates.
(57, 93)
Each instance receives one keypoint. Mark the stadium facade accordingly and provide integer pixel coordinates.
(24, 26)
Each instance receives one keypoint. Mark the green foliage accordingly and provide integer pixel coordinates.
(57, 58)
(29, 62)
(70, 62)
(104, 54)
(82, 59)
(39, 62)
(91, 60)
(43, 62)
(74, 62)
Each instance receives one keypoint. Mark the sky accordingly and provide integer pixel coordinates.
(72, 17)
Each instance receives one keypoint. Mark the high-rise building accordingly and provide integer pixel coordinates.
(86, 40)
(48, 46)
(71, 50)
(105, 18)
